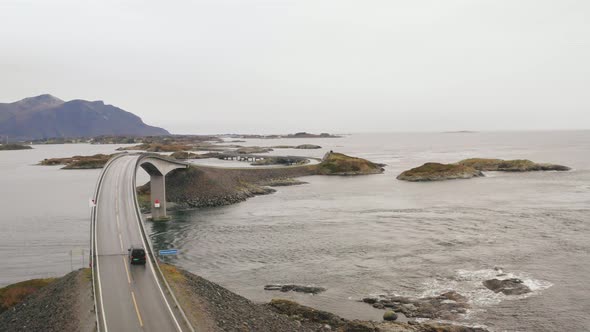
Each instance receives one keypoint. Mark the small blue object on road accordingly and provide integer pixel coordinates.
(168, 252)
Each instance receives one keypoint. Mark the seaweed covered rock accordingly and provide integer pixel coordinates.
(439, 172)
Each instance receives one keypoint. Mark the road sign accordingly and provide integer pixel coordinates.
(168, 252)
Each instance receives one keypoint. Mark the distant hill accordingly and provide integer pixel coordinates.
(46, 116)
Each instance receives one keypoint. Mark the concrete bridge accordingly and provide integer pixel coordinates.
(130, 297)
(288, 160)
(157, 167)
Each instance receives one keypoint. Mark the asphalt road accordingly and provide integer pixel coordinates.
(131, 297)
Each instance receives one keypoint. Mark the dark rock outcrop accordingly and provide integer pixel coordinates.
(512, 286)
(295, 288)
(308, 147)
(445, 306)
(331, 322)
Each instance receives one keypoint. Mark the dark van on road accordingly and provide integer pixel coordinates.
(137, 255)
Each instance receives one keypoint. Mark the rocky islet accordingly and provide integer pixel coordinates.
(474, 167)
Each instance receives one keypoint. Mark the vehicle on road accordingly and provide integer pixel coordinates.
(137, 255)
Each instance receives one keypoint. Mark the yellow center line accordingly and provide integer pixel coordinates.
(136, 309)
(121, 242)
(127, 270)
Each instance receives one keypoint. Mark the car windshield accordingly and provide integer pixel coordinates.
(138, 252)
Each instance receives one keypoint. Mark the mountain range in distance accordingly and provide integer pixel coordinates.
(46, 116)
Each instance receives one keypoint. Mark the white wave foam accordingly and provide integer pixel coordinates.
(470, 284)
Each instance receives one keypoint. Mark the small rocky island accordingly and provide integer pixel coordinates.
(470, 168)
(518, 165)
(439, 172)
(78, 162)
(12, 146)
(340, 164)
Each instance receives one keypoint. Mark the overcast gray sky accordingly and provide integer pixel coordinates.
(281, 66)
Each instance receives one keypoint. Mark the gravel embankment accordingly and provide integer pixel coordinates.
(64, 305)
(211, 307)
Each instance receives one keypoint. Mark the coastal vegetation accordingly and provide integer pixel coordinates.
(14, 294)
(78, 162)
(13, 146)
(470, 168)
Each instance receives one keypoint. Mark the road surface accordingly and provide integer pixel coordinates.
(130, 296)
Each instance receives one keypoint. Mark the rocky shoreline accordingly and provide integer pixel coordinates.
(66, 304)
(201, 186)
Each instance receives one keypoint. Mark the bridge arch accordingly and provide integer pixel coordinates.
(157, 167)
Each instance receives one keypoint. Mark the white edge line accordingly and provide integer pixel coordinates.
(145, 246)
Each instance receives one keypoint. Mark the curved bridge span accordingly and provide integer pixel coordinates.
(130, 297)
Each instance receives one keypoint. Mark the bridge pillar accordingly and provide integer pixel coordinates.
(157, 167)
(158, 194)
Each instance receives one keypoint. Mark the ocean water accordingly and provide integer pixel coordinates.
(356, 236)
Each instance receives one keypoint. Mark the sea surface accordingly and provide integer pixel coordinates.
(355, 236)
